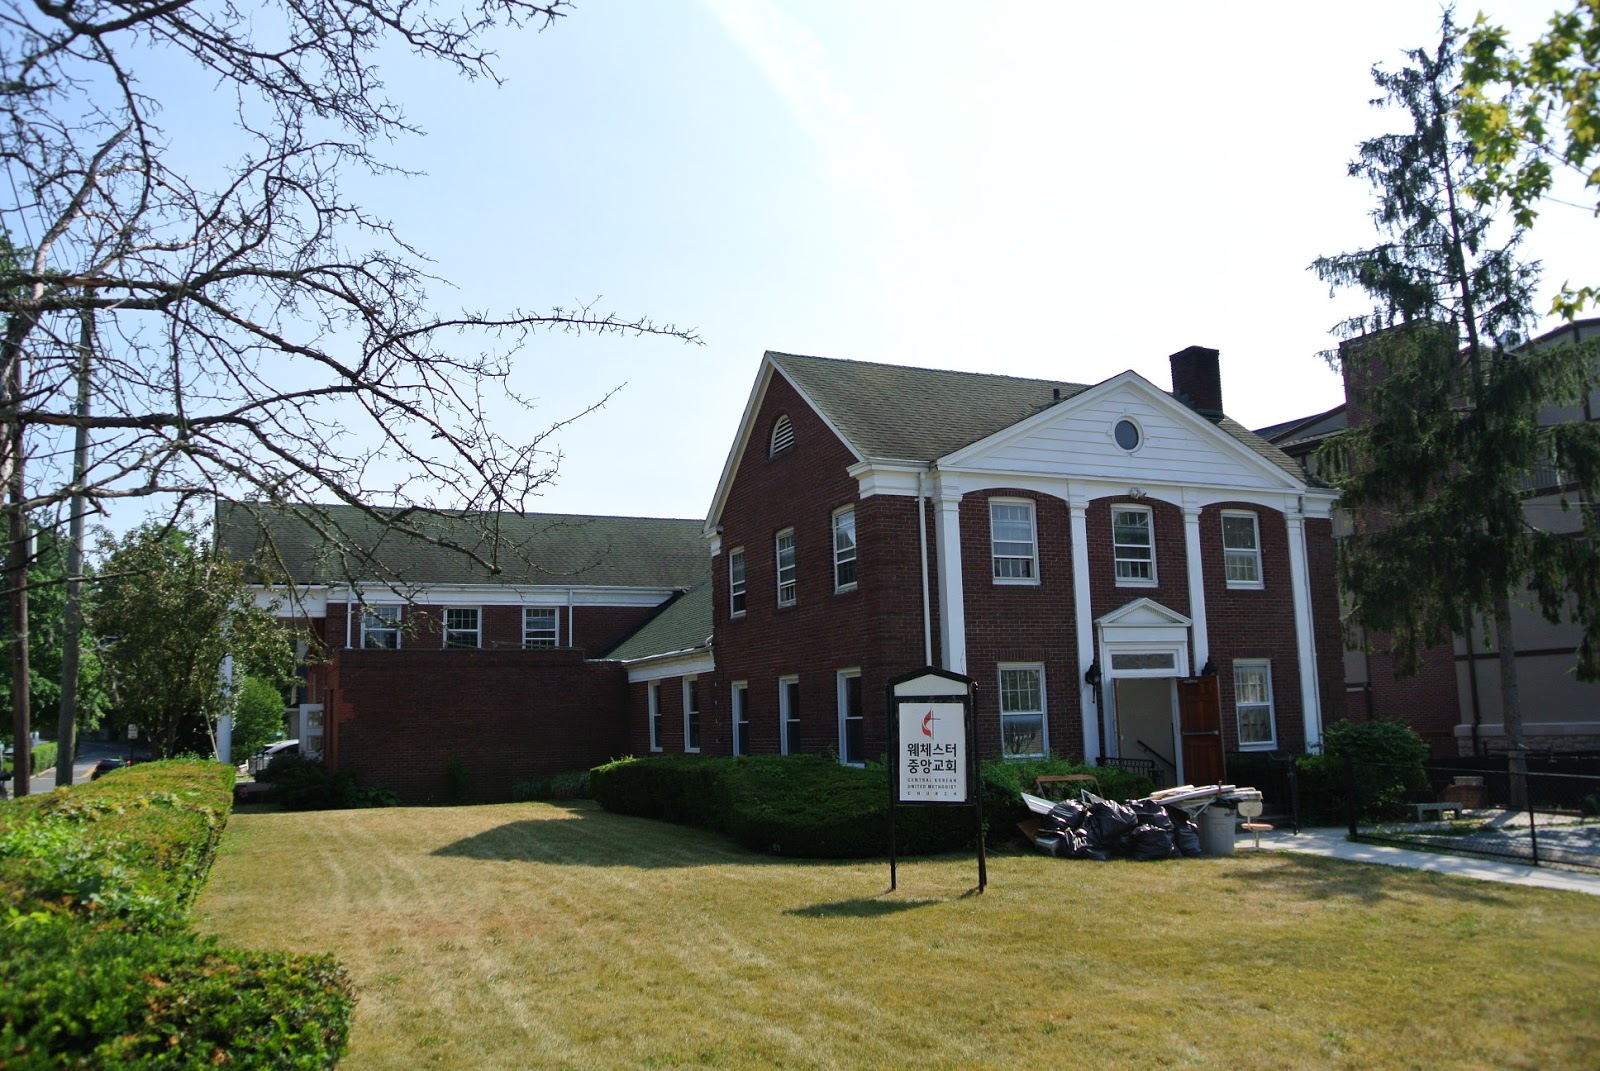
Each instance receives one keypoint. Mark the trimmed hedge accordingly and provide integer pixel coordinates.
(809, 806)
(102, 970)
(107, 997)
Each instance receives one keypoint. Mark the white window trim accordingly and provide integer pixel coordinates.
(652, 692)
(854, 559)
(1043, 712)
(1033, 531)
(743, 588)
(1265, 664)
(399, 639)
(1255, 524)
(842, 694)
(690, 688)
(1150, 527)
(476, 630)
(784, 712)
(554, 631)
(794, 567)
(733, 714)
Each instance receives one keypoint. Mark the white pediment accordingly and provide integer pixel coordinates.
(1075, 438)
(1143, 613)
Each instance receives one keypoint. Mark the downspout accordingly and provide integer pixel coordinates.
(347, 593)
(572, 628)
(922, 539)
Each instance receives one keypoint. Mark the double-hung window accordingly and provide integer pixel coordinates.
(691, 714)
(380, 628)
(1252, 700)
(1241, 550)
(741, 718)
(1133, 541)
(786, 582)
(1011, 541)
(1022, 729)
(463, 627)
(789, 715)
(852, 739)
(736, 603)
(844, 549)
(539, 625)
(652, 693)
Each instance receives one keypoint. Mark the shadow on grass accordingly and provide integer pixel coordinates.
(861, 908)
(1315, 878)
(585, 836)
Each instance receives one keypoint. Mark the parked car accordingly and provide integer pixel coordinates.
(105, 766)
(258, 762)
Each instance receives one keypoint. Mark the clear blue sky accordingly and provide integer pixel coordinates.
(1037, 188)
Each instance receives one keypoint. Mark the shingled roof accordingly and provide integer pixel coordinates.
(896, 413)
(338, 544)
(684, 625)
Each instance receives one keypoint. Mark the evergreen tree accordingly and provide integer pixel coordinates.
(1437, 472)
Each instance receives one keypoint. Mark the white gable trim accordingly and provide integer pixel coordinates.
(1144, 613)
(695, 661)
(971, 457)
(741, 441)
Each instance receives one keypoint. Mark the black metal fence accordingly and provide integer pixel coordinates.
(1479, 806)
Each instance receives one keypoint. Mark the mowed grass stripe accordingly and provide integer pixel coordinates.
(536, 936)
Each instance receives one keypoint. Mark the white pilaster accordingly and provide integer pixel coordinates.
(1083, 615)
(1198, 634)
(1305, 631)
(952, 600)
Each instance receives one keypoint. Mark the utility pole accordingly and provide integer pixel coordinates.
(67, 727)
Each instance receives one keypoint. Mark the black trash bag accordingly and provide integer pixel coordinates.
(1108, 822)
(1150, 842)
(1146, 808)
(1185, 833)
(1068, 814)
(1082, 849)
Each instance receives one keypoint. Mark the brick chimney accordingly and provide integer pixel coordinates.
(1197, 380)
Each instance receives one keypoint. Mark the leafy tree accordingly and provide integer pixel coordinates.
(1437, 470)
(46, 579)
(257, 716)
(168, 610)
(1528, 111)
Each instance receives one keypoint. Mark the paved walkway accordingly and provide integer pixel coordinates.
(1333, 844)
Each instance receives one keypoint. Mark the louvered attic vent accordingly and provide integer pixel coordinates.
(782, 436)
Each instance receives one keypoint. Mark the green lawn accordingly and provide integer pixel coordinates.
(536, 936)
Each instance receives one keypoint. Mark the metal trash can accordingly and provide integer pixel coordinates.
(1218, 826)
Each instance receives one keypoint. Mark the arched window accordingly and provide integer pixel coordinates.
(782, 436)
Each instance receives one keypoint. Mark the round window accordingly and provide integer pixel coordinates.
(1127, 434)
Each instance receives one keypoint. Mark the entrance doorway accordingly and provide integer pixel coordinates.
(1145, 715)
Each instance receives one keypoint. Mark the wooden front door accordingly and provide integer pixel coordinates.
(1200, 723)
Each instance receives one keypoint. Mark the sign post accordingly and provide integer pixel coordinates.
(934, 745)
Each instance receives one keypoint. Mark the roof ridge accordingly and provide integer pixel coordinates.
(923, 368)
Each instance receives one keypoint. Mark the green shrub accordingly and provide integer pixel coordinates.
(156, 825)
(810, 806)
(86, 996)
(562, 786)
(301, 784)
(100, 967)
(42, 756)
(1389, 758)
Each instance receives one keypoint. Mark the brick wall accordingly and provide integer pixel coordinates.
(1172, 577)
(1254, 623)
(397, 718)
(1022, 622)
(877, 627)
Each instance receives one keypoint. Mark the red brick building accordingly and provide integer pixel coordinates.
(1111, 563)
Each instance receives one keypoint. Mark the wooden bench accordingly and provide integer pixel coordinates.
(1438, 810)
